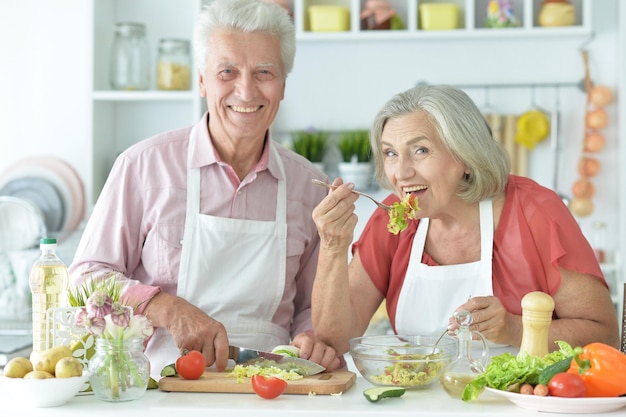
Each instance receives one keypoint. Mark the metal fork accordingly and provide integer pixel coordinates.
(332, 187)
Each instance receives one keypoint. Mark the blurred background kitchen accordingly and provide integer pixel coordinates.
(63, 120)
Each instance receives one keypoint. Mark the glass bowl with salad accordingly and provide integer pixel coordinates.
(411, 362)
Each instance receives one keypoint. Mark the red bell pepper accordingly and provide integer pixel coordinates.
(602, 367)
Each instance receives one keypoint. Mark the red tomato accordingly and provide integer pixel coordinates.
(190, 365)
(566, 384)
(268, 387)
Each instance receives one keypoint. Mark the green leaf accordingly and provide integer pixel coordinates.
(109, 283)
(507, 372)
(310, 143)
(355, 142)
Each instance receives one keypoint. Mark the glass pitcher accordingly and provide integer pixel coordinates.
(464, 368)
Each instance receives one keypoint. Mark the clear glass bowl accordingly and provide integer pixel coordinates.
(402, 361)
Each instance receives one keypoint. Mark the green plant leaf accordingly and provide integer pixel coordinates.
(310, 143)
(109, 283)
(355, 142)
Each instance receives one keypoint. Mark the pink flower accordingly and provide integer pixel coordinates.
(94, 325)
(120, 315)
(99, 304)
(111, 320)
(139, 326)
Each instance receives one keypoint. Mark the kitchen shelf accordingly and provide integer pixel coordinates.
(471, 16)
(457, 35)
(122, 118)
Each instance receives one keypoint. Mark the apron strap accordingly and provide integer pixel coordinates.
(486, 230)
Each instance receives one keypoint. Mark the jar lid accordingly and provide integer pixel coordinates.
(126, 28)
(174, 45)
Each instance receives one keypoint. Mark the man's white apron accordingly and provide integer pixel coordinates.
(233, 269)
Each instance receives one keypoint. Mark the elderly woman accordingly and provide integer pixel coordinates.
(480, 234)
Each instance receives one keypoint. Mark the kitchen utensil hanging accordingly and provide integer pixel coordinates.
(533, 126)
(503, 125)
(503, 129)
(555, 143)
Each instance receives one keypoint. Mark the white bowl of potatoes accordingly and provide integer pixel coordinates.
(48, 379)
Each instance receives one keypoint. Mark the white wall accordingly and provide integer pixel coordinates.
(45, 79)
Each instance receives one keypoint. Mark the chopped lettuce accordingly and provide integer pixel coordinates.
(265, 368)
(507, 372)
(287, 350)
(401, 212)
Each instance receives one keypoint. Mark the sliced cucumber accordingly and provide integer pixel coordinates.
(169, 370)
(377, 393)
(152, 384)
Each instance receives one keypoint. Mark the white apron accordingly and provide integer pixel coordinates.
(233, 269)
(429, 292)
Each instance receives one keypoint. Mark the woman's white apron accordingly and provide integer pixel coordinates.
(430, 294)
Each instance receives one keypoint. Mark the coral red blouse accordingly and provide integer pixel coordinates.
(535, 236)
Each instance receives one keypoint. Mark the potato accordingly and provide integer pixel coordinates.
(17, 367)
(68, 367)
(47, 360)
(38, 375)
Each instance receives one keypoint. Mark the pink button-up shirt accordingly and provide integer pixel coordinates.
(138, 221)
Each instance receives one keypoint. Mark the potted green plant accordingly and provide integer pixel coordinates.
(311, 144)
(356, 165)
(355, 144)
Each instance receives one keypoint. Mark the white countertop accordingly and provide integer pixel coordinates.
(432, 401)
(155, 403)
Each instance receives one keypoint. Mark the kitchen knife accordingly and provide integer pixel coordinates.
(246, 356)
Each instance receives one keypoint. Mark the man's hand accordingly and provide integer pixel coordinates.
(316, 351)
(191, 328)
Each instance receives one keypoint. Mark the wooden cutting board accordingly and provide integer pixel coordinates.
(324, 383)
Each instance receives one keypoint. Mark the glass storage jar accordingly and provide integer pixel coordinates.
(130, 58)
(173, 65)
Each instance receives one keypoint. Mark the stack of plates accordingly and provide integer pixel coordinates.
(39, 196)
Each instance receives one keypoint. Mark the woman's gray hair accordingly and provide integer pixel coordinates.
(245, 16)
(463, 131)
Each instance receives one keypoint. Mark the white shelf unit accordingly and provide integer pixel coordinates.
(472, 14)
(122, 118)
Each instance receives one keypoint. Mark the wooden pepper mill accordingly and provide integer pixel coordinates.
(537, 308)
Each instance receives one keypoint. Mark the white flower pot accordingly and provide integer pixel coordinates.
(359, 173)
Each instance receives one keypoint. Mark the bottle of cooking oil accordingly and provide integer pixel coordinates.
(48, 281)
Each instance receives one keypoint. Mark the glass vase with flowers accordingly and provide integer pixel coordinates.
(119, 370)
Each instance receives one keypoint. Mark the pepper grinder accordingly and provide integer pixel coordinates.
(537, 308)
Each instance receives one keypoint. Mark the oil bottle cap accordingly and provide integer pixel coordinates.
(48, 241)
